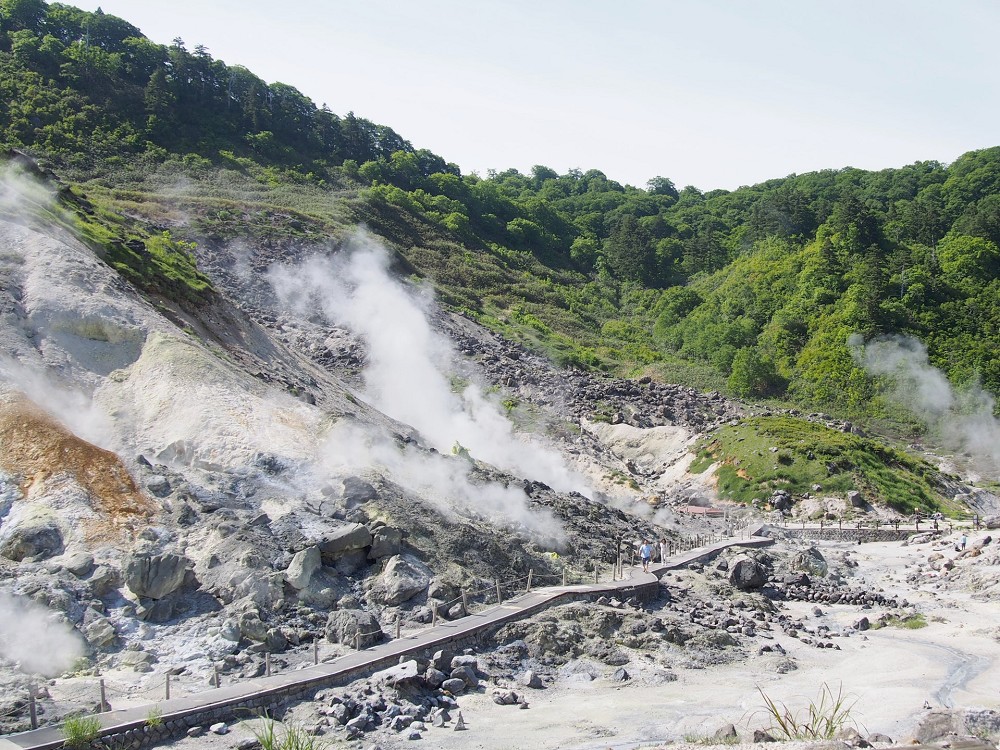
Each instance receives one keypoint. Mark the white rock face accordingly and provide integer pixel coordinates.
(194, 409)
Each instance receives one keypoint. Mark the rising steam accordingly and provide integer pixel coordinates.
(963, 420)
(410, 366)
(443, 481)
(36, 638)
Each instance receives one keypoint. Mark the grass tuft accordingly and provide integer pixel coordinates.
(291, 737)
(81, 731)
(822, 719)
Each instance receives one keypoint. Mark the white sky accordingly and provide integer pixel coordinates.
(711, 93)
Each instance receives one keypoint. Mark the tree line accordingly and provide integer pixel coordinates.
(763, 285)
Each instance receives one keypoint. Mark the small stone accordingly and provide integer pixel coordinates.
(219, 728)
(531, 680)
(726, 734)
(195, 731)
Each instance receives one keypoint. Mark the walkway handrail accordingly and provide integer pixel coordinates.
(182, 712)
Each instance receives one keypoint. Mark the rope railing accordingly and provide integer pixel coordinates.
(99, 693)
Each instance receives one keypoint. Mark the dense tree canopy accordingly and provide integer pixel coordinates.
(756, 289)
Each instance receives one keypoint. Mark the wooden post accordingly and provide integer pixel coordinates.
(499, 595)
(596, 572)
(399, 625)
(434, 615)
(465, 602)
(357, 641)
(564, 575)
(315, 650)
(267, 664)
(218, 678)
(166, 685)
(104, 696)
(529, 581)
(31, 707)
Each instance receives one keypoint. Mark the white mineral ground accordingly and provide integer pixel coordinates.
(890, 675)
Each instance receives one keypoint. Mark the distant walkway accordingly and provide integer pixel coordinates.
(222, 703)
(849, 532)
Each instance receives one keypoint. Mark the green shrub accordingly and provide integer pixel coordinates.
(80, 731)
(155, 717)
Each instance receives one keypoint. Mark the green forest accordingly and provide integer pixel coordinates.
(755, 292)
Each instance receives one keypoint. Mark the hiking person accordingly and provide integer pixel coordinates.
(663, 549)
(646, 554)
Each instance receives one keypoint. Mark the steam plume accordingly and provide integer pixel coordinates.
(963, 420)
(410, 365)
(30, 635)
(441, 480)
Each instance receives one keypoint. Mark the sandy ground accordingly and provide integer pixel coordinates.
(891, 675)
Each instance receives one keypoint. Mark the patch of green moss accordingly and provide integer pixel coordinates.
(760, 455)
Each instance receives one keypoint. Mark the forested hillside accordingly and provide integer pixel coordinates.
(755, 291)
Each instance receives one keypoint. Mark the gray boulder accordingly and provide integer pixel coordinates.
(251, 626)
(532, 680)
(100, 633)
(325, 589)
(812, 562)
(276, 641)
(353, 627)
(302, 567)
(358, 492)
(139, 661)
(505, 697)
(386, 542)
(465, 660)
(158, 610)
(155, 576)
(454, 685)
(403, 578)
(79, 563)
(400, 675)
(266, 589)
(465, 673)
(104, 579)
(434, 677)
(781, 500)
(38, 538)
(442, 659)
(351, 537)
(746, 574)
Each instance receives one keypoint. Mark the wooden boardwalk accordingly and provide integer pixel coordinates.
(216, 704)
